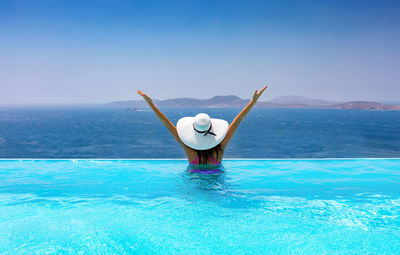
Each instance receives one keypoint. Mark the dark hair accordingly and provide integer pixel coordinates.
(205, 154)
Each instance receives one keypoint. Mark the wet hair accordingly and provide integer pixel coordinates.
(205, 154)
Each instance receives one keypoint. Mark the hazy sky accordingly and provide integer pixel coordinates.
(99, 51)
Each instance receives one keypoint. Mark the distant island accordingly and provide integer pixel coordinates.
(234, 101)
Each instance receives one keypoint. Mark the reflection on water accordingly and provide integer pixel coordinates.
(206, 177)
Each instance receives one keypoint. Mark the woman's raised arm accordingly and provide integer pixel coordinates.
(168, 124)
(235, 123)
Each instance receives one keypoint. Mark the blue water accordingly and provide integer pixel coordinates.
(265, 133)
(347, 206)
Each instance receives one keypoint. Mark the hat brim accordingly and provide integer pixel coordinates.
(199, 141)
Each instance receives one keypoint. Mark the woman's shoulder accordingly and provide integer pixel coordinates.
(191, 154)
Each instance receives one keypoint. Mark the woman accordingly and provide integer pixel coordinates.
(202, 138)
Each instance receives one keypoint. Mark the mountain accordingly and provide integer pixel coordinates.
(129, 103)
(234, 101)
(300, 100)
(217, 101)
(364, 105)
(214, 102)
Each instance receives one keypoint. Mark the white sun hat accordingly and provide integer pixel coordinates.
(201, 132)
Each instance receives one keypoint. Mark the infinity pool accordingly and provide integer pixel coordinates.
(338, 206)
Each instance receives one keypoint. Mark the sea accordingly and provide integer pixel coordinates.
(105, 132)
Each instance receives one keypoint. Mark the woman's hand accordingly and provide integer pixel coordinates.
(257, 94)
(146, 97)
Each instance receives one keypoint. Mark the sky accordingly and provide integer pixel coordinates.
(82, 52)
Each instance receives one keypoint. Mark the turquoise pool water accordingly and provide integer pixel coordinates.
(330, 206)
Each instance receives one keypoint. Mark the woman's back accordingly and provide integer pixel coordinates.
(212, 156)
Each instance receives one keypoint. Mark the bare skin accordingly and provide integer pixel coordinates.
(191, 153)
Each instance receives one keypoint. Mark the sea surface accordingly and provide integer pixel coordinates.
(98, 132)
